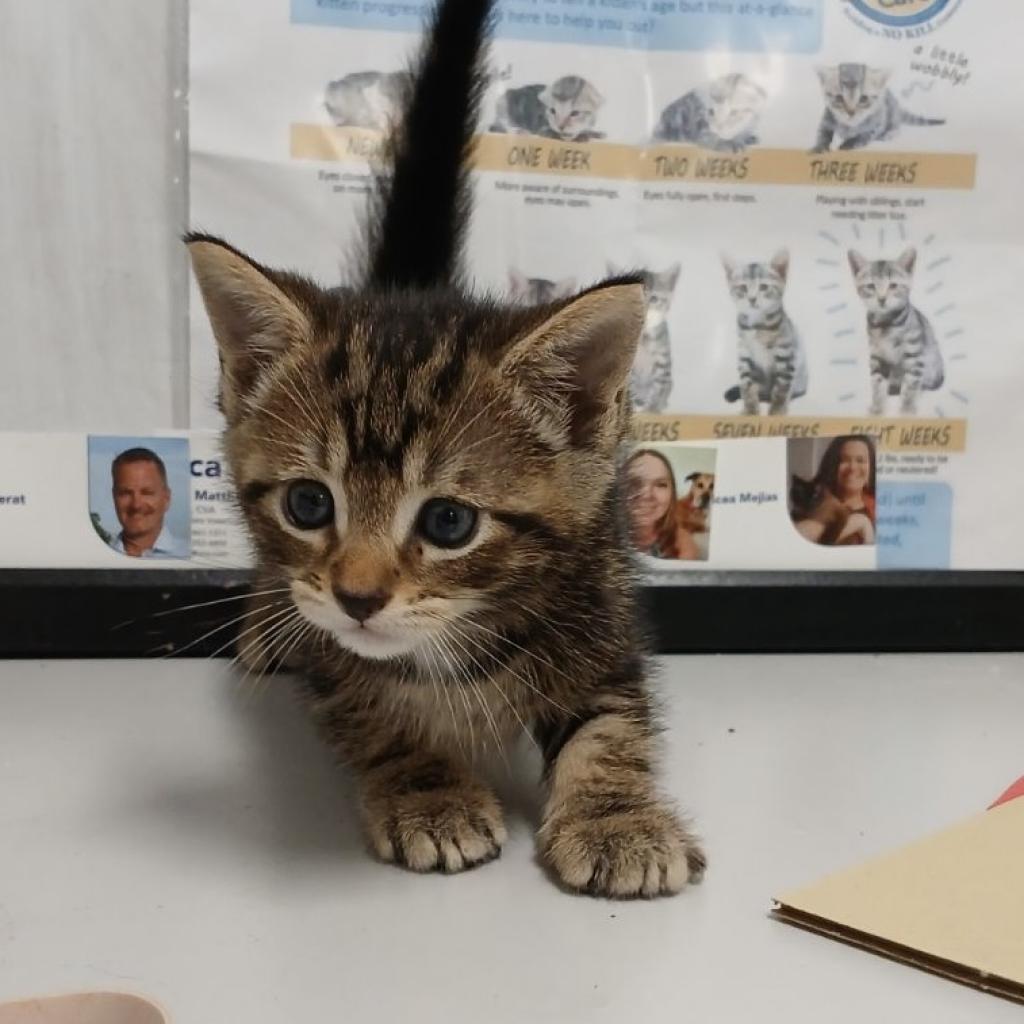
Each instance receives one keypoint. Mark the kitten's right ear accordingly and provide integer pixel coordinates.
(571, 371)
(857, 262)
(253, 320)
(731, 266)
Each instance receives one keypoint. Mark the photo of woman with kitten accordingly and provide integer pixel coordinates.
(657, 509)
(832, 490)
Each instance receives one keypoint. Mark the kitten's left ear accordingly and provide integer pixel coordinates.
(571, 370)
(253, 320)
(907, 259)
(780, 263)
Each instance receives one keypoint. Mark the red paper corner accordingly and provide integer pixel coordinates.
(1015, 791)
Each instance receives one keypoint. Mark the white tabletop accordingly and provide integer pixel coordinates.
(167, 832)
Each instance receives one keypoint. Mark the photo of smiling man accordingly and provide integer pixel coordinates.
(132, 487)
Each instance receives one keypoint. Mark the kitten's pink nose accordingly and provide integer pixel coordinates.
(361, 606)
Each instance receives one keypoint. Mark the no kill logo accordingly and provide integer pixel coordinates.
(900, 19)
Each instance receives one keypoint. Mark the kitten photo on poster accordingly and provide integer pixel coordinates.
(566, 109)
(650, 382)
(860, 108)
(721, 116)
(432, 483)
(367, 99)
(771, 361)
(905, 358)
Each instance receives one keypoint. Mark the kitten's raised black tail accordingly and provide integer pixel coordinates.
(417, 230)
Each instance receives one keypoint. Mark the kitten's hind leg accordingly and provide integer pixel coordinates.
(605, 831)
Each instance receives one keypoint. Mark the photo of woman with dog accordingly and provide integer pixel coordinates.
(833, 504)
(665, 525)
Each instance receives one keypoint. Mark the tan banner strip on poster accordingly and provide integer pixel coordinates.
(892, 435)
(528, 154)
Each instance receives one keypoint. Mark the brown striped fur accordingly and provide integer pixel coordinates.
(393, 396)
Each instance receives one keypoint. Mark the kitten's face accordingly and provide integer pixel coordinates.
(374, 443)
(757, 289)
(734, 106)
(883, 285)
(853, 91)
(535, 291)
(571, 107)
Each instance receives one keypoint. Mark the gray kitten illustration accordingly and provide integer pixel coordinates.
(650, 381)
(904, 353)
(536, 291)
(566, 109)
(860, 108)
(771, 360)
(366, 99)
(723, 115)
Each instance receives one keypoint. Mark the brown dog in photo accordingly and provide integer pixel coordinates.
(694, 508)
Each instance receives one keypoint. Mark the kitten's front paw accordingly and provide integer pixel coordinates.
(450, 829)
(644, 852)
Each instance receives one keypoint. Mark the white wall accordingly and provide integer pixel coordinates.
(92, 201)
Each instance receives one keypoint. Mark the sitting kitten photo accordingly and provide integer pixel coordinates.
(721, 116)
(860, 108)
(431, 481)
(566, 109)
(771, 360)
(904, 353)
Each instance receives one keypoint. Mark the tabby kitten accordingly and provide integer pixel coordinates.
(722, 115)
(772, 362)
(566, 109)
(650, 381)
(905, 355)
(431, 478)
(860, 109)
(367, 99)
(535, 291)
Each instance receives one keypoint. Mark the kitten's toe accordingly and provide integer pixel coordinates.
(449, 830)
(645, 852)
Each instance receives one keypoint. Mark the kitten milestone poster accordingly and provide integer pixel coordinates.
(822, 196)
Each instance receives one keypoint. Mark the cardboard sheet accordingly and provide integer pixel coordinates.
(952, 904)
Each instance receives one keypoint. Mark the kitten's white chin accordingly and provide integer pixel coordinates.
(370, 643)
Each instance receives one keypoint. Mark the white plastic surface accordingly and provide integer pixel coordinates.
(168, 832)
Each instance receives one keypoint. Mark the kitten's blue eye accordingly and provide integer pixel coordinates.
(863, 101)
(447, 524)
(309, 504)
(763, 287)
